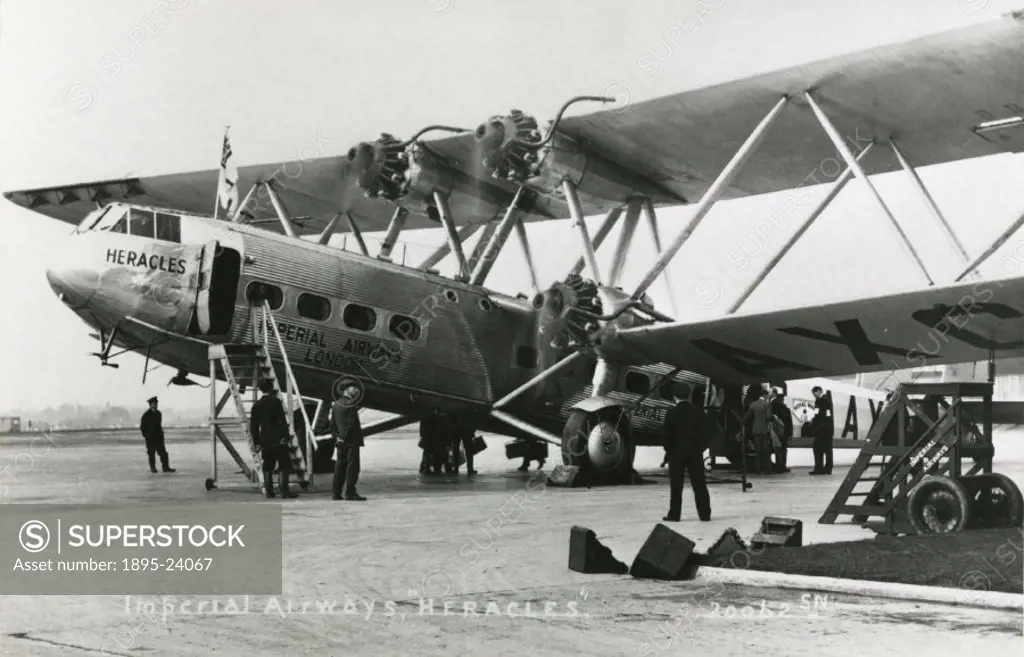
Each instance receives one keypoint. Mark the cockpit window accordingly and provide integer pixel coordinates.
(168, 227)
(141, 222)
(91, 219)
(115, 220)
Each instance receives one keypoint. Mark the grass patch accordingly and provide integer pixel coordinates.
(981, 560)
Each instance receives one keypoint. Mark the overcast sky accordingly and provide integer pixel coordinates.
(280, 72)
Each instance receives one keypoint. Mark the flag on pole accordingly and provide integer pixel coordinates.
(227, 185)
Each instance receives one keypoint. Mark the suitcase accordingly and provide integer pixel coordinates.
(479, 444)
(519, 449)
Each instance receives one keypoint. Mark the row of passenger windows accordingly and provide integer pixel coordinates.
(637, 383)
(317, 308)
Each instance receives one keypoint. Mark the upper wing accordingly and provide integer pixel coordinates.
(682, 141)
(927, 94)
(934, 326)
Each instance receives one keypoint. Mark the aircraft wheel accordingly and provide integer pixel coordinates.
(995, 501)
(938, 505)
(709, 464)
(600, 444)
(210, 485)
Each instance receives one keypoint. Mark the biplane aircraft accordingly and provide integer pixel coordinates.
(580, 363)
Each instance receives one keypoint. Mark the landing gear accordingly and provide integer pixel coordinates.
(601, 444)
(210, 484)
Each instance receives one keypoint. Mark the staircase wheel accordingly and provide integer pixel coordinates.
(995, 501)
(938, 505)
(210, 484)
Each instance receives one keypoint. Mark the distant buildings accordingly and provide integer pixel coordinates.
(10, 424)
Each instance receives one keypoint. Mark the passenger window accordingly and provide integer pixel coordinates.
(638, 383)
(168, 227)
(257, 291)
(526, 357)
(359, 317)
(313, 307)
(404, 328)
(141, 223)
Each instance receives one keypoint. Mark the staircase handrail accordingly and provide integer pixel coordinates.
(310, 443)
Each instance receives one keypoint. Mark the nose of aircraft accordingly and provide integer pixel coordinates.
(72, 278)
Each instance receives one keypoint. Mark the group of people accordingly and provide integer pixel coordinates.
(687, 432)
(272, 435)
(768, 425)
(444, 438)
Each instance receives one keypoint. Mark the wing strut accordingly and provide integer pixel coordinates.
(442, 251)
(394, 230)
(652, 225)
(929, 201)
(602, 232)
(851, 162)
(328, 231)
(524, 242)
(713, 194)
(573, 199)
(1001, 240)
(497, 241)
(629, 224)
(358, 234)
(454, 241)
(282, 212)
(837, 187)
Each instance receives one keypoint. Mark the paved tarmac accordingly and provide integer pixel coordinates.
(500, 537)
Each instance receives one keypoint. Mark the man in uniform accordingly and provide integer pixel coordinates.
(685, 441)
(782, 412)
(270, 434)
(824, 428)
(348, 437)
(152, 429)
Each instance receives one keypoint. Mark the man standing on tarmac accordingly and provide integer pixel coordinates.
(782, 412)
(462, 434)
(823, 425)
(684, 433)
(152, 429)
(348, 437)
(271, 434)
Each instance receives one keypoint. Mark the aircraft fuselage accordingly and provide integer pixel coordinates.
(417, 341)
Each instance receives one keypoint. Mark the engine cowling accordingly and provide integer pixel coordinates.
(381, 167)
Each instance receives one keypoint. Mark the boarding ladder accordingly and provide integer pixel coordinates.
(244, 366)
(896, 457)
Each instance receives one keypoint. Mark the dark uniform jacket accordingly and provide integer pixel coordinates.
(345, 425)
(682, 428)
(823, 420)
(782, 412)
(152, 425)
(268, 423)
